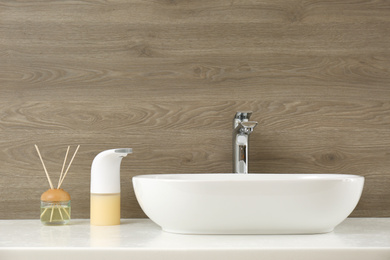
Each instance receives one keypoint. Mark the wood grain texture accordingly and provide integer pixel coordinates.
(166, 77)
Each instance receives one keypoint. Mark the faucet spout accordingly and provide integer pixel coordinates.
(242, 128)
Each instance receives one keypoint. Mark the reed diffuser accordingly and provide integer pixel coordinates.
(55, 202)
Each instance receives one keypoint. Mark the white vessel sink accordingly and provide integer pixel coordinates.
(248, 203)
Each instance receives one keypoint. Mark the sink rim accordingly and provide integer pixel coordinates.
(234, 177)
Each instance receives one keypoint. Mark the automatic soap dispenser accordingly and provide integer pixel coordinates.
(105, 187)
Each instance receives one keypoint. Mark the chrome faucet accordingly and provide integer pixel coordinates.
(242, 128)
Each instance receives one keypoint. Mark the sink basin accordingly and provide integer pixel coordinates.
(248, 203)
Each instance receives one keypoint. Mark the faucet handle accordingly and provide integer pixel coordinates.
(243, 115)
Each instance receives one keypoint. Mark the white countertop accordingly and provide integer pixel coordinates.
(355, 238)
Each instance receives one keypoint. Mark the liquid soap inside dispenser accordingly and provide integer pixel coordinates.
(105, 187)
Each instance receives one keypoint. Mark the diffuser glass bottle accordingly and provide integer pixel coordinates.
(55, 207)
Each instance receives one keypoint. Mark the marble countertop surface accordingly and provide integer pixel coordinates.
(355, 238)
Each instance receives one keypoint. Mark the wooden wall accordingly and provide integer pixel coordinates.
(166, 77)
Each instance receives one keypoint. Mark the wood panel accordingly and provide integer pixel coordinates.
(166, 77)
